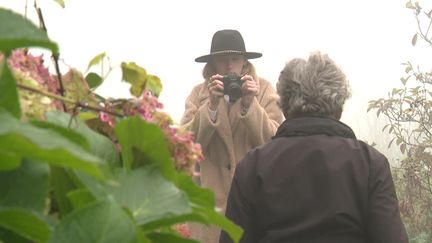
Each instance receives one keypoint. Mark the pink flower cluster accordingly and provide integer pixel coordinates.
(184, 151)
(33, 66)
(29, 70)
(183, 230)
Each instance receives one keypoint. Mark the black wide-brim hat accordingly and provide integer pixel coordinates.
(227, 42)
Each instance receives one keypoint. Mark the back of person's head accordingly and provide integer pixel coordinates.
(316, 87)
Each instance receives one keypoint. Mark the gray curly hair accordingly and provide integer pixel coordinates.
(316, 87)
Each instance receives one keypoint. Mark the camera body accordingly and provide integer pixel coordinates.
(232, 86)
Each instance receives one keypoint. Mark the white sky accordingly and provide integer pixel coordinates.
(369, 39)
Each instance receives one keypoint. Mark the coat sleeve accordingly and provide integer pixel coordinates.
(239, 205)
(196, 118)
(263, 117)
(384, 223)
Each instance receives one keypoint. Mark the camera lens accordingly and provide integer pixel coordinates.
(232, 87)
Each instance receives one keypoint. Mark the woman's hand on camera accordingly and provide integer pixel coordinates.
(250, 88)
(215, 88)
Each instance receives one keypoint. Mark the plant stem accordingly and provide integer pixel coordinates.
(67, 100)
(54, 55)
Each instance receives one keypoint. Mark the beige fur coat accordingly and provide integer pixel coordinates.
(227, 140)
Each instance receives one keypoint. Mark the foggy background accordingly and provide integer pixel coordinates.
(369, 39)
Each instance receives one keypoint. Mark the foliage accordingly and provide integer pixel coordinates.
(409, 113)
(76, 167)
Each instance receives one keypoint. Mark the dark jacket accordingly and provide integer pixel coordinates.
(315, 182)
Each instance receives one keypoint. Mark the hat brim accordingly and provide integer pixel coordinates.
(248, 55)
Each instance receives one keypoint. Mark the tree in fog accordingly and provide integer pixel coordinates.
(408, 112)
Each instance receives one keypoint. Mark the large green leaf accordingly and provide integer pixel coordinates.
(9, 161)
(17, 32)
(25, 224)
(26, 187)
(72, 136)
(144, 144)
(100, 145)
(203, 205)
(215, 218)
(80, 198)
(10, 236)
(45, 145)
(103, 222)
(199, 196)
(8, 90)
(61, 184)
(149, 196)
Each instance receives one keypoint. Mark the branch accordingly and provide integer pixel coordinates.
(70, 101)
(54, 56)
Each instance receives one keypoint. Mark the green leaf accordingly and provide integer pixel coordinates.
(197, 195)
(402, 148)
(18, 32)
(25, 187)
(144, 144)
(429, 14)
(74, 137)
(136, 76)
(8, 161)
(103, 222)
(25, 224)
(158, 199)
(204, 207)
(80, 198)
(399, 140)
(96, 60)
(233, 230)
(409, 5)
(44, 145)
(84, 116)
(61, 183)
(149, 196)
(414, 39)
(60, 2)
(10, 236)
(154, 85)
(100, 146)
(8, 91)
(76, 88)
(93, 80)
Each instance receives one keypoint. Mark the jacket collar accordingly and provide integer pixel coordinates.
(307, 126)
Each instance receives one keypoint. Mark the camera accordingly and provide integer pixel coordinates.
(232, 86)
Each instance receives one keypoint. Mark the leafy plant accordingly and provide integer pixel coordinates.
(408, 110)
(76, 167)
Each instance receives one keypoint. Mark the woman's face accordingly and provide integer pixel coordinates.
(230, 63)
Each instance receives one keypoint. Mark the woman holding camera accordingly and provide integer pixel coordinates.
(231, 112)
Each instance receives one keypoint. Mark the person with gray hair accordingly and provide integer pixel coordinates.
(314, 181)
